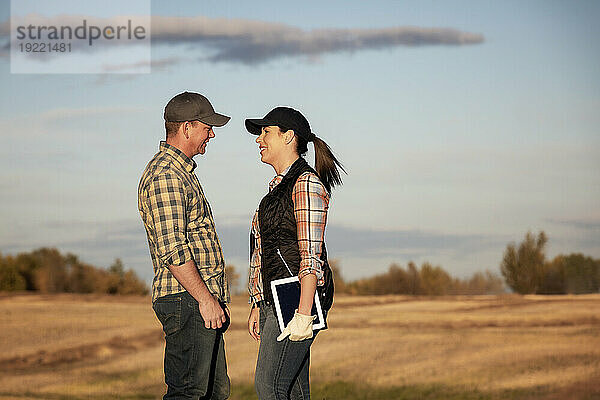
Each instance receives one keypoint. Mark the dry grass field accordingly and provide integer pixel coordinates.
(391, 347)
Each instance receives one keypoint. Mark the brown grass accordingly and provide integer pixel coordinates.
(77, 346)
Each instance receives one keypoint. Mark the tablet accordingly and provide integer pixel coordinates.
(286, 297)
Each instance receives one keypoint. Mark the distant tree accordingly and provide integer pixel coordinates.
(84, 279)
(414, 279)
(27, 265)
(117, 268)
(399, 281)
(10, 278)
(394, 281)
(428, 280)
(131, 284)
(48, 271)
(479, 283)
(116, 276)
(582, 274)
(553, 277)
(434, 280)
(338, 279)
(495, 284)
(233, 279)
(523, 267)
(121, 281)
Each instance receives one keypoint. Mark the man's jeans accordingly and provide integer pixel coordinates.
(195, 366)
(282, 367)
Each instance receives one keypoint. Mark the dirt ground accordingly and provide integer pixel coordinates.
(79, 346)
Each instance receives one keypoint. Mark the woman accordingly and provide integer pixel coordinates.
(287, 238)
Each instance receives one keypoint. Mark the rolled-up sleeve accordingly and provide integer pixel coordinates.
(255, 288)
(167, 204)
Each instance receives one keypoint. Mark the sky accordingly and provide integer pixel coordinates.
(462, 126)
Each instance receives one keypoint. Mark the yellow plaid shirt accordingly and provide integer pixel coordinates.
(179, 224)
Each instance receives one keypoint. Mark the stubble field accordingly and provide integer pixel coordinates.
(391, 347)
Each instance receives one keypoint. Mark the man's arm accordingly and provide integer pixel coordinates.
(210, 309)
(168, 211)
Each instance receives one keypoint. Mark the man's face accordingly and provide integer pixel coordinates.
(199, 135)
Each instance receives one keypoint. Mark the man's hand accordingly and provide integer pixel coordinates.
(212, 312)
(299, 328)
(209, 306)
(253, 323)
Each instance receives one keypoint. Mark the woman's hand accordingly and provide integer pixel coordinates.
(253, 323)
(299, 328)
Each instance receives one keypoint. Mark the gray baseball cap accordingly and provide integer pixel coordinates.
(188, 106)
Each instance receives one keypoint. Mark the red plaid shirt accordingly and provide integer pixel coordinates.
(311, 202)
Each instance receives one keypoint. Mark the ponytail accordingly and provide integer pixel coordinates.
(327, 166)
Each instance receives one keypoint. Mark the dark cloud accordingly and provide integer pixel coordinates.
(160, 65)
(253, 42)
(349, 242)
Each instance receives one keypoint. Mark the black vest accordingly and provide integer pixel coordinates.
(279, 239)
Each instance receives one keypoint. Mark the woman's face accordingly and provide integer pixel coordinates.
(271, 144)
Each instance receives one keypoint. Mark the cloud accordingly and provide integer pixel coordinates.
(348, 241)
(254, 42)
(251, 42)
(160, 64)
(584, 224)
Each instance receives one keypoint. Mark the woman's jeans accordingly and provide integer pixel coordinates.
(282, 367)
(195, 365)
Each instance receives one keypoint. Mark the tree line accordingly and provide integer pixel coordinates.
(46, 270)
(524, 270)
(428, 280)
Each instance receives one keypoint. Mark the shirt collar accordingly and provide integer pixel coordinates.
(278, 178)
(178, 155)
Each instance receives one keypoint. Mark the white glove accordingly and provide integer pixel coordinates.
(299, 328)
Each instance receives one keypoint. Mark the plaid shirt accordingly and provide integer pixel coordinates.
(179, 223)
(311, 202)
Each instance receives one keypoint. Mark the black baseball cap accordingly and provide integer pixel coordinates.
(188, 106)
(282, 116)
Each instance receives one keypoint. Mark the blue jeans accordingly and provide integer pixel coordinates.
(195, 366)
(282, 367)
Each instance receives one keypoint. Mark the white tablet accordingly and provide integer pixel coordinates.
(286, 297)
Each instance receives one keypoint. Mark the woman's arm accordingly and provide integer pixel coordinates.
(308, 286)
(311, 202)
(255, 289)
(255, 286)
(253, 323)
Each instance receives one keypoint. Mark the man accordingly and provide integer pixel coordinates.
(189, 290)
